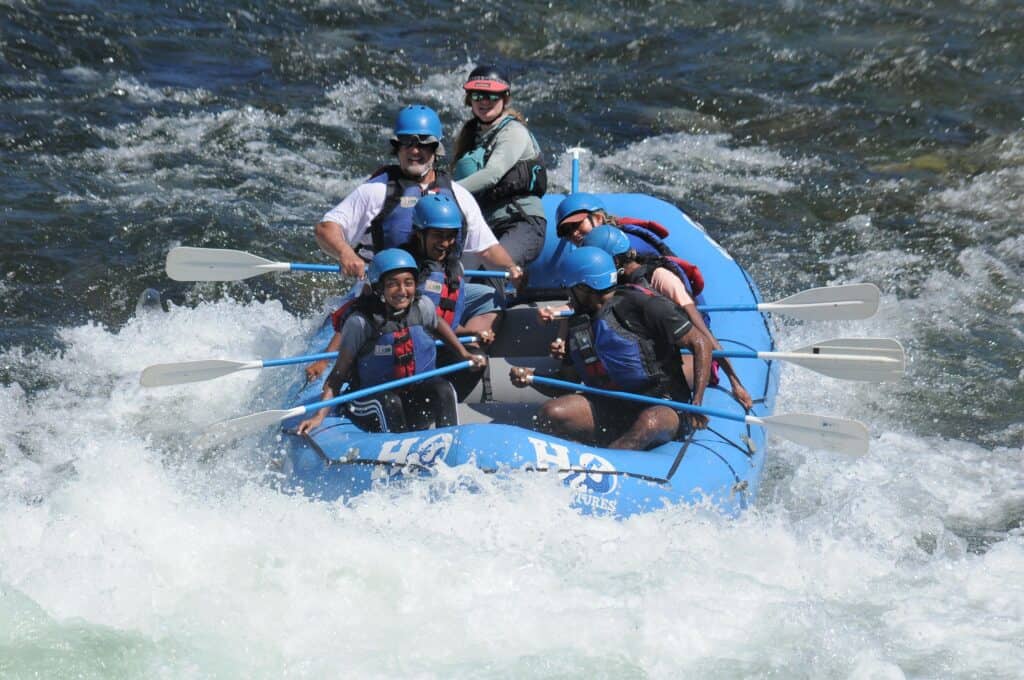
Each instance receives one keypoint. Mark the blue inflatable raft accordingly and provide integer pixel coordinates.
(722, 463)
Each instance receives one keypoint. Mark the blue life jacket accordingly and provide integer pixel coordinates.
(442, 284)
(639, 242)
(392, 226)
(610, 355)
(402, 348)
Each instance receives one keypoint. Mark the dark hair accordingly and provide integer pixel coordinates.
(622, 259)
(414, 246)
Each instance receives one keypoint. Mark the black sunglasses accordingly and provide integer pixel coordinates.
(480, 96)
(408, 141)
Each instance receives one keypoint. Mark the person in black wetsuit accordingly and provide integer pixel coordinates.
(623, 338)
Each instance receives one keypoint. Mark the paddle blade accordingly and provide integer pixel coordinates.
(818, 432)
(227, 431)
(216, 264)
(832, 303)
(867, 359)
(182, 372)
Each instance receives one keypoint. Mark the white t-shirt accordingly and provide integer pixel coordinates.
(355, 213)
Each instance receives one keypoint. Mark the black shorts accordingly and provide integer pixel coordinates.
(421, 405)
(613, 417)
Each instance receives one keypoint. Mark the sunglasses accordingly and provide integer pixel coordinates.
(409, 141)
(489, 96)
(567, 228)
(441, 234)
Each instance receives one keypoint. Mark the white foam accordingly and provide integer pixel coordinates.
(132, 89)
(848, 567)
(82, 74)
(679, 165)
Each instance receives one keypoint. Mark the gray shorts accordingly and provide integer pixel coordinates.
(522, 238)
(480, 299)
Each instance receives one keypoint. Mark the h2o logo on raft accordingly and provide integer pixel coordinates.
(597, 476)
(592, 474)
(411, 451)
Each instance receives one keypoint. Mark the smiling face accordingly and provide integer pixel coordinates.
(416, 160)
(576, 231)
(485, 107)
(398, 289)
(438, 243)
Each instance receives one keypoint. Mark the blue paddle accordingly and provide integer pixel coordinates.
(181, 372)
(813, 431)
(575, 182)
(227, 430)
(218, 264)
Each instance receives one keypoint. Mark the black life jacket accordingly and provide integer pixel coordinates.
(526, 177)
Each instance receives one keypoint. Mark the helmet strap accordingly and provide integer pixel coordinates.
(578, 301)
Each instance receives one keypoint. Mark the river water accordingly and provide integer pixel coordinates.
(820, 142)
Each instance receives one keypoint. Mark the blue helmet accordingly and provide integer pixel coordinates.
(589, 266)
(390, 260)
(418, 120)
(436, 211)
(609, 239)
(574, 204)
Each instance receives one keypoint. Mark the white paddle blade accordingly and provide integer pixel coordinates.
(182, 372)
(867, 359)
(853, 301)
(818, 432)
(216, 264)
(227, 431)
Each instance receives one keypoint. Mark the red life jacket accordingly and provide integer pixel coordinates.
(339, 315)
(442, 284)
(653, 234)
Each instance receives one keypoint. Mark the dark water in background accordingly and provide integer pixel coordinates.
(894, 133)
(820, 142)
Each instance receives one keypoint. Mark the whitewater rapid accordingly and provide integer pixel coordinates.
(127, 549)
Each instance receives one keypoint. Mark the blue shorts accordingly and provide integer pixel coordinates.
(480, 299)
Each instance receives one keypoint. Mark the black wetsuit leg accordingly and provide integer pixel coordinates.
(382, 412)
(431, 402)
(464, 382)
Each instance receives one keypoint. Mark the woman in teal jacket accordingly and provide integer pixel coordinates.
(498, 160)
